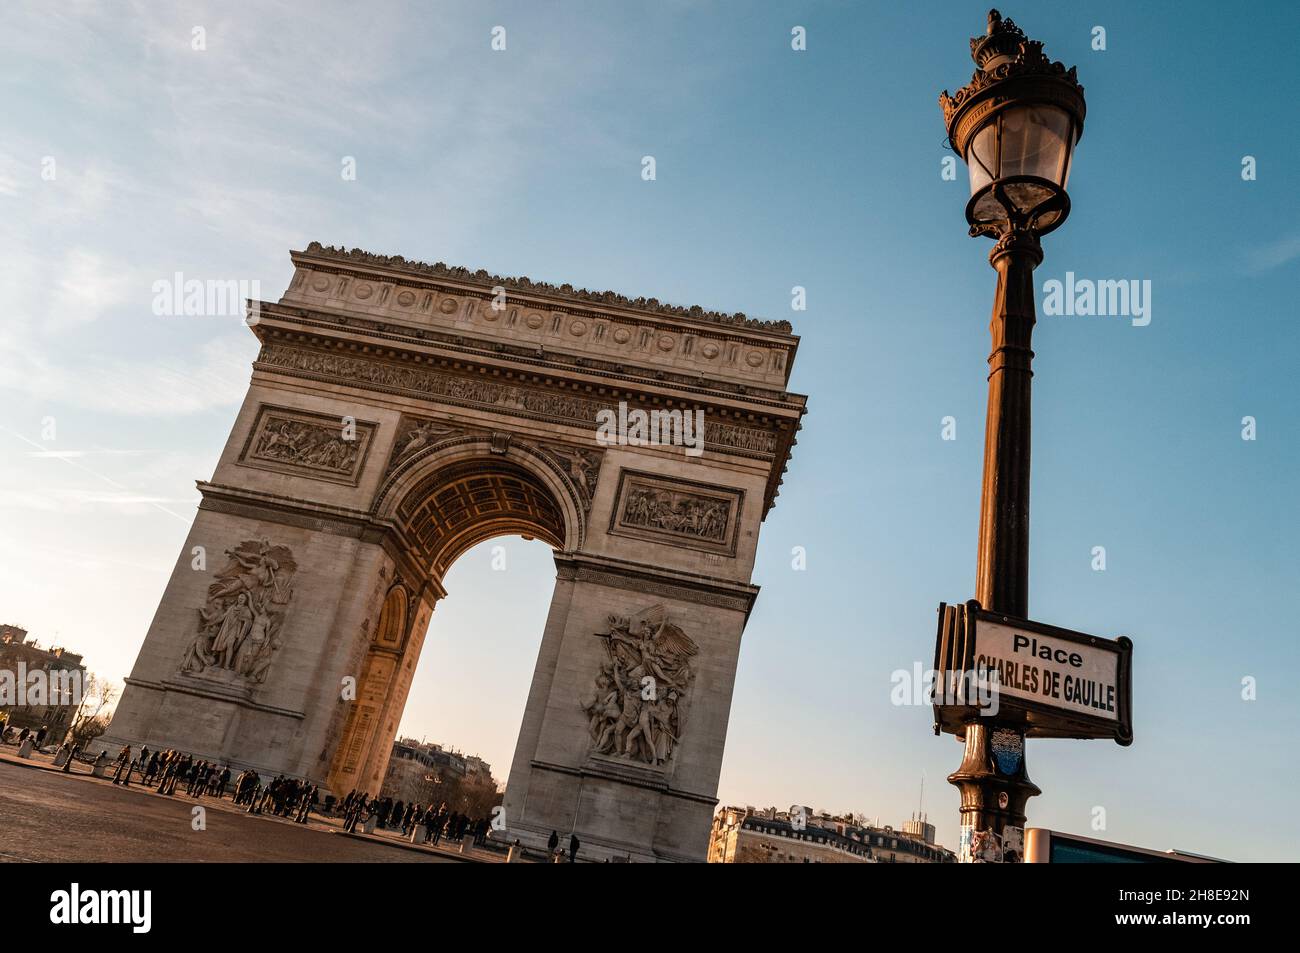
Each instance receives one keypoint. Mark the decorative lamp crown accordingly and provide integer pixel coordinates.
(1010, 69)
(999, 44)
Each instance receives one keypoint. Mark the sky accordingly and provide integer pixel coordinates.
(127, 154)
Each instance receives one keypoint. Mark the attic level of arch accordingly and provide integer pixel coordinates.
(545, 376)
(341, 260)
(405, 334)
(735, 431)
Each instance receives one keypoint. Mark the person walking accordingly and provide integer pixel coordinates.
(573, 848)
(123, 763)
(167, 771)
(354, 814)
(179, 772)
(304, 806)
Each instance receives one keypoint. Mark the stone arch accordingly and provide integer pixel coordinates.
(448, 464)
(438, 504)
(495, 417)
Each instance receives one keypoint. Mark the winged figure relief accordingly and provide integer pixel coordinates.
(239, 625)
(637, 710)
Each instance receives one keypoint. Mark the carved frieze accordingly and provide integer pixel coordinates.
(677, 512)
(238, 628)
(416, 433)
(638, 704)
(475, 392)
(314, 445)
(581, 466)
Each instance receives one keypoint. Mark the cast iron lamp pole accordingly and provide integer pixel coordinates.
(1015, 125)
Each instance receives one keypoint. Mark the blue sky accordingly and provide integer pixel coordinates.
(774, 169)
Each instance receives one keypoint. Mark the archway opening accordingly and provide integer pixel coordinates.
(471, 683)
(498, 520)
(466, 503)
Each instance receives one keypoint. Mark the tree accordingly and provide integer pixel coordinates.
(87, 730)
(96, 710)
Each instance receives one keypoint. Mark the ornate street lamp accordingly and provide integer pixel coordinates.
(1016, 125)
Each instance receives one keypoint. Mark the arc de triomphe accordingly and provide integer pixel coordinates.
(400, 413)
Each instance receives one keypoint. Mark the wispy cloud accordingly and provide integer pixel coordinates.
(236, 150)
(71, 500)
(1281, 252)
(216, 376)
(87, 286)
(71, 454)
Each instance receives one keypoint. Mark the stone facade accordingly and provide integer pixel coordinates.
(399, 414)
(749, 836)
(20, 655)
(428, 773)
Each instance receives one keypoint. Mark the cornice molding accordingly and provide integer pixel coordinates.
(657, 580)
(513, 397)
(625, 374)
(361, 258)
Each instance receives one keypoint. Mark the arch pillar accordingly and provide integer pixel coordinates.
(619, 808)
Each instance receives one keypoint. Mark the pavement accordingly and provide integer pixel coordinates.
(47, 816)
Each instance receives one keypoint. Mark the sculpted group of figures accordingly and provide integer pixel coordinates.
(637, 710)
(239, 626)
(677, 513)
(294, 441)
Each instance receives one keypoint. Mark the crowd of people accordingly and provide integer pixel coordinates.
(12, 735)
(166, 771)
(170, 770)
(439, 822)
(558, 856)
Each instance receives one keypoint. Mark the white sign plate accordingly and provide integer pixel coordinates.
(1067, 675)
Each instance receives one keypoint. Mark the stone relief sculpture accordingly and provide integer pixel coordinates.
(673, 512)
(239, 626)
(297, 442)
(582, 467)
(511, 398)
(417, 434)
(637, 709)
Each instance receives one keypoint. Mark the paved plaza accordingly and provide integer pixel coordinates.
(47, 816)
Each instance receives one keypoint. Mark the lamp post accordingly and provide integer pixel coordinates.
(1015, 124)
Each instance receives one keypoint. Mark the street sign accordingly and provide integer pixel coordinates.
(1052, 682)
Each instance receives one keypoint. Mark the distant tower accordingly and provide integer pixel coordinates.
(918, 827)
